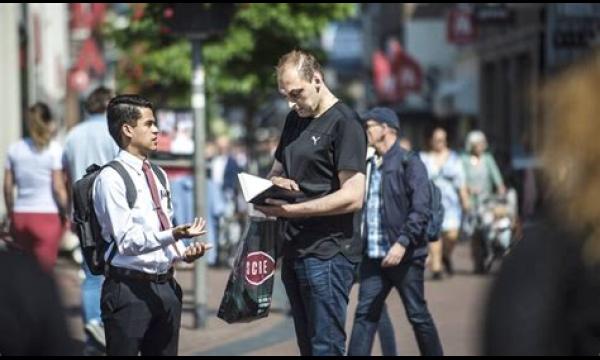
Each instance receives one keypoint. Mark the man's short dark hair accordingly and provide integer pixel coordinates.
(125, 109)
(97, 101)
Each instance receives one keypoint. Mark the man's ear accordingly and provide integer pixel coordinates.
(127, 131)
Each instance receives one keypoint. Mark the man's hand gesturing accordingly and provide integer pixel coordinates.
(196, 228)
(195, 251)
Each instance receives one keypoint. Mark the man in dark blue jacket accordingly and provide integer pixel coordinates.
(394, 222)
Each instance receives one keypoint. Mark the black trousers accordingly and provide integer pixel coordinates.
(141, 317)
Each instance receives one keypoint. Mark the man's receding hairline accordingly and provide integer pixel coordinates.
(295, 65)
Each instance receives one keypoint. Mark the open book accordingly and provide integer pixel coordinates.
(256, 190)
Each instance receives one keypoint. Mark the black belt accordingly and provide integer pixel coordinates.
(128, 274)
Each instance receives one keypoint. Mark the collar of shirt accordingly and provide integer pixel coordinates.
(392, 151)
(131, 160)
(370, 152)
(378, 161)
(373, 157)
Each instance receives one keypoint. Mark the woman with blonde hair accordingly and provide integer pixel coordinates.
(445, 168)
(546, 298)
(34, 167)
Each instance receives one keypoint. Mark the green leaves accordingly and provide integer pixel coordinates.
(152, 62)
(242, 62)
(239, 65)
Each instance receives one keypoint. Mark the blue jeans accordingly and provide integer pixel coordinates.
(212, 256)
(375, 285)
(90, 296)
(318, 291)
(385, 330)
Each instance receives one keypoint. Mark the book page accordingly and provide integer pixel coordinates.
(252, 185)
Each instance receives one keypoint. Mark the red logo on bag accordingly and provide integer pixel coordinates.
(259, 267)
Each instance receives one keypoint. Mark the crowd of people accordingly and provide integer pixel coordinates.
(365, 210)
(40, 212)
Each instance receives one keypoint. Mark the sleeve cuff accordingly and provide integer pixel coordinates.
(166, 237)
(180, 249)
(403, 240)
(358, 169)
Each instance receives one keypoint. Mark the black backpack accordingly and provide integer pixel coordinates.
(93, 247)
(436, 208)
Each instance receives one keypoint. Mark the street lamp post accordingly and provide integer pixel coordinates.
(199, 109)
(198, 22)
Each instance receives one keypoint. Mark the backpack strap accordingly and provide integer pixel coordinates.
(112, 254)
(159, 174)
(130, 190)
(406, 157)
(405, 160)
(163, 180)
(130, 194)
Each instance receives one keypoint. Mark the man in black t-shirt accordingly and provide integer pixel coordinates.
(321, 153)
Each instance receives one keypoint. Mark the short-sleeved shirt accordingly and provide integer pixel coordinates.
(313, 151)
(88, 143)
(32, 170)
(450, 179)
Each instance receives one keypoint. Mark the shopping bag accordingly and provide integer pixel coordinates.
(248, 294)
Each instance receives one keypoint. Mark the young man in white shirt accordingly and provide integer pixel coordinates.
(141, 301)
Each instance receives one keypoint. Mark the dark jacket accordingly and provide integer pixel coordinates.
(405, 201)
(230, 176)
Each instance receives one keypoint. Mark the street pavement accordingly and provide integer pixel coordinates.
(456, 304)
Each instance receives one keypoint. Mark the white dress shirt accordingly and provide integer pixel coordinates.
(141, 244)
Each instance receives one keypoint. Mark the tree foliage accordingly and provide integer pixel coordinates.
(152, 62)
(239, 64)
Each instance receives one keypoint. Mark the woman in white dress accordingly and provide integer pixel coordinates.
(445, 169)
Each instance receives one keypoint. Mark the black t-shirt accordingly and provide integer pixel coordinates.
(313, 152)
